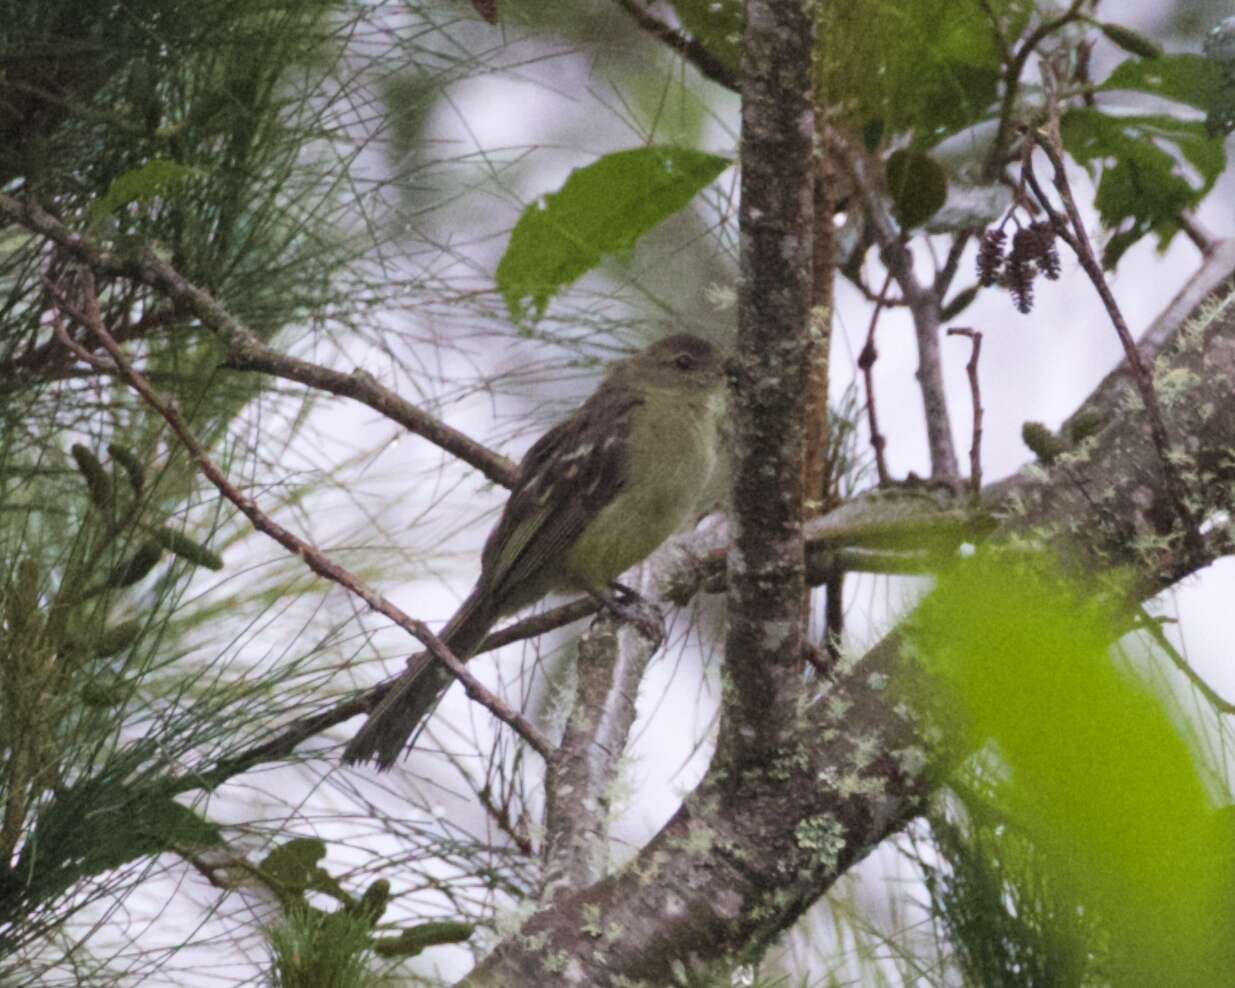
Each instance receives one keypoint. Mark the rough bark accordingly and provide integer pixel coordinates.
(748, 852)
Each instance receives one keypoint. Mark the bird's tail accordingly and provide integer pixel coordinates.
(413, 695)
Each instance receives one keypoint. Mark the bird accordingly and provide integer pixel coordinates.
(594, 496)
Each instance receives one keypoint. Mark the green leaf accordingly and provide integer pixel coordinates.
(918, 187)
(1142, 188)
(715, 24)
(960, 302)
(1184, 78)
(601, 209)
(1130, 41)
(1092, 763)
(931, 67)
(157, 177)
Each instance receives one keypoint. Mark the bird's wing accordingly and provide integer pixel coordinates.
(566, 478)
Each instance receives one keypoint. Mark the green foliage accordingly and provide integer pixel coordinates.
(918, 187)
(156, 178)
(1130, 41)
(1012, 920)
(929, 67)
(292, 870)
(1097, 772)
(99, 824)
(717, 25)
(313, 949)
(959, 303)
(1182, 78)
(1144, 189)
(601, 209)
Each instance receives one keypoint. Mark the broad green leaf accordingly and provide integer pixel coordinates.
(1184, 78)
(602, 209)
(1097, 771)
(930, 67)
(918, 187)
(1130, 41)
(1142, 188)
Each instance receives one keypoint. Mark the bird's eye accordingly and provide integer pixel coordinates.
(684, 361)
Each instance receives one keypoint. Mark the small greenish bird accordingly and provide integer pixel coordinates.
(594, 495)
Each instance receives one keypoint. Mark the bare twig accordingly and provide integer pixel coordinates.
(244, 350)
(1049, 140)
(866, 364)
(1016, 61)
(975, 394)
(317, 561)
(924, 303)
(1195, 231)
(500, 814)
(709, 66)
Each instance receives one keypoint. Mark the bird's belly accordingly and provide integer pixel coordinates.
(660, 496)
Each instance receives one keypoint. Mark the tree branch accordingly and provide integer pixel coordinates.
(611, 662)
(745, 855)
(709, 66)
(925, 303)
(244, 350)
(317, 561)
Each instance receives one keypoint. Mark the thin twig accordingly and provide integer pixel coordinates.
(866, 364)
(1016, 62)
(244, 350)
(709, 66)
(924, 303)
(501, 816)
(317, 561)
(1195, 231)
(1154, 628)
(975, 394)
(1049, 140)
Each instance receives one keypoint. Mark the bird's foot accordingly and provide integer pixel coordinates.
(626, 605)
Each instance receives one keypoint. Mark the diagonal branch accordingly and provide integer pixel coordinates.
(744, 856)
(244, 350)
(317, 561)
